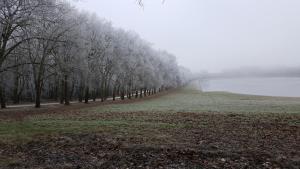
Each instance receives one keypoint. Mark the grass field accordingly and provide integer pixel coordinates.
(183, 129)
(190, 99)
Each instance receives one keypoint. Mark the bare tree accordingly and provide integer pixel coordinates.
(48, 49)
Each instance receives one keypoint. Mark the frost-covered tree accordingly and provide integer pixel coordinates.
(50, 51)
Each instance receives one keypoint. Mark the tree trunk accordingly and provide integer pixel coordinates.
(62, 94)
(106, 91)
(21, 89)
(2, 97)
(136, 94)
(129, 94)
(122, 95)
(94, 95)
(141, 93)
(114, 94)
(102, 94)
(86, 97)
(38, 96)
(55, 91)
(145, 92)
(16, 89)
(66, 91)
(80, 93)
(71, 93)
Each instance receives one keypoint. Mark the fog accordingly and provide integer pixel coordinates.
(271, 86)
(212, 35)
(256, 72)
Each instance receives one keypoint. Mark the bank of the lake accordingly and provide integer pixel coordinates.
(265, 86)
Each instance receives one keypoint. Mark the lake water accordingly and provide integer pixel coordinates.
(279, 86)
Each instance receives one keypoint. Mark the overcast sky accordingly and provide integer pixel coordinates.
(212, 35)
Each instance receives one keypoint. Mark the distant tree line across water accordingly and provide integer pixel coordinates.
(50, 51)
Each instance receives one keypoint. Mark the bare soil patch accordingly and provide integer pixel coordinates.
(192, 140)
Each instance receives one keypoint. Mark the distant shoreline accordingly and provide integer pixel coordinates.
(258, 86)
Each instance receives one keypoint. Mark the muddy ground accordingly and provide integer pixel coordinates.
(160, 140)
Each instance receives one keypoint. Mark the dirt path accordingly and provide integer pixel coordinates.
(55, 103)
(18, 113)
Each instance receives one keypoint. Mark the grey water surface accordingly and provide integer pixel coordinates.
(268, 86)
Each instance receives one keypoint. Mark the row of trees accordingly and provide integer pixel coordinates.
(50, 51)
